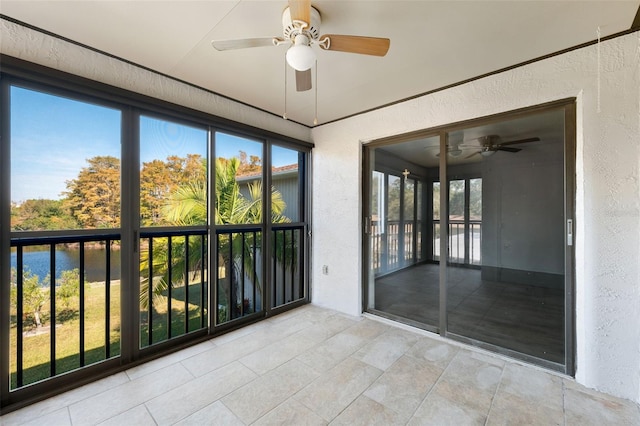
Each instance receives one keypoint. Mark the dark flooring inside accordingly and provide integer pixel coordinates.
(523, 318)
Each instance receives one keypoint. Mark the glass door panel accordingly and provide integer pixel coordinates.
(506, 278)
(287, 228)
(400, 282)
(239, 213)
(65, 174)
(173, 231)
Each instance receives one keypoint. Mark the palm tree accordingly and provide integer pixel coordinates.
(188, 206)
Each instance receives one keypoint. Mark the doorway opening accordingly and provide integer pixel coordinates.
(503, 223)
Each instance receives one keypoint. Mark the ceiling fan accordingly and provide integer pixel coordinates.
(301, 28)
(489, 145)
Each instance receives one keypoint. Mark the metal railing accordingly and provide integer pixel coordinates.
(30, 297)
(239, 274)
(173, 285)
(400, 246)
(462, 248)
(287, 264)
(239, 279)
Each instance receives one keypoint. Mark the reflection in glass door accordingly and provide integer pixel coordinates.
(513, 295)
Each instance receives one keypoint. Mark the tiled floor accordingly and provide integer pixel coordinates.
(523, 318)
(315, 366)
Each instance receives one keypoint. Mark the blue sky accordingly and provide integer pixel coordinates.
(51, 137)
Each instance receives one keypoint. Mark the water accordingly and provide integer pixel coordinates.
(37, 261)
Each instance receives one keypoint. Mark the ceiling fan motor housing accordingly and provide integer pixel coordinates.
(291, 29)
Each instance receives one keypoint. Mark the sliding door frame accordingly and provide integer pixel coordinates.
(570, 134)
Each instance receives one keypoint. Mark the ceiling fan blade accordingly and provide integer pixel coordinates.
(472, 155)
(300, 10)
(519, 141)
(244, 43)
(506, 148)
(355, 44)
(303, 80)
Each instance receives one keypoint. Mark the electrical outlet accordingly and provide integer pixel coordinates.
(325, 269)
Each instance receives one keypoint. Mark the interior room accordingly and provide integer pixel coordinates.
(499, 290)
(301, 212)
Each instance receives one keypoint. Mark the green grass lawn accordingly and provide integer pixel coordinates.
(36, 355)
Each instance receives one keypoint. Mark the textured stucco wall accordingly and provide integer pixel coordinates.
(36, 47)
(608, 193)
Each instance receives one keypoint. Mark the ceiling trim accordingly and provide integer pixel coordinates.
(126, 61)
(472, 122)
(635, 26)
(636, 21)
(501, 70)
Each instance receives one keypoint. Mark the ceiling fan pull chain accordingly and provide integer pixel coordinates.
(315, 119)
(598, 87)
(285, 89)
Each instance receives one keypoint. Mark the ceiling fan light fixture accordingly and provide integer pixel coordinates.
(487, 153)
(455, 152)
(301, 56)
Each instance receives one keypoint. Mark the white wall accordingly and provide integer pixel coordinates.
(608, 193)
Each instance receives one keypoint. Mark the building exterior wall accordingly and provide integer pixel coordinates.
(607, 202)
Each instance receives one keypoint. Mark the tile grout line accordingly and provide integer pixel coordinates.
(438, 380)
(495, 393)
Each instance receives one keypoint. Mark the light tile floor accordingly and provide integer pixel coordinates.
(313, 366)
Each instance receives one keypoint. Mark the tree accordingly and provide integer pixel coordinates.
(34, 296)
(41, 215)
(93, 198)
(68, 287)
(159, 179)
(251, 166)
(188, 206)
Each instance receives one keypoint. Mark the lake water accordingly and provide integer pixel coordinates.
(38, 263)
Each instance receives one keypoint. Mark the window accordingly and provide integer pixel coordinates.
(65, 220)
(116, 213)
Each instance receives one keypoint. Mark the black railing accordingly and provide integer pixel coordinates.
(173, 285)
(287, 264)
(238, 273)
(31, 297)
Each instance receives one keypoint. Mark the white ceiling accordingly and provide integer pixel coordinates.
(433, 43)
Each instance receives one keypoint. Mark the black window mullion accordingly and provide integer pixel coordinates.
(81, 302)
(186, 283)
(169, 282)
(150, 294)
(107, 301)
(19, 314)
(52, 309)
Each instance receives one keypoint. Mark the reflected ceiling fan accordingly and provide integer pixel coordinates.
(454, 149)
(301, 28)
(489, 145)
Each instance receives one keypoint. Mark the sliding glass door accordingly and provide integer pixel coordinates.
(489, 260)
